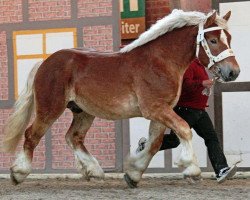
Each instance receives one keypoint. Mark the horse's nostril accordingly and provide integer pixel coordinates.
(231, 74)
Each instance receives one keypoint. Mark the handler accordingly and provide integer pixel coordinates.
(191, 107)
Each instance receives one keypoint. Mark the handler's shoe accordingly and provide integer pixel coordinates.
(141, 144)
(226, 173)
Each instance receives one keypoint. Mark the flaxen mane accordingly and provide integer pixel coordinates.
(176, 19)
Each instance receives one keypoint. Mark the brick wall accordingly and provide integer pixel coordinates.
(10, 11)
(156, 9)
(3, 67)
(5, 159)
(101, 142)
(40, 10)
(98, 37)
(198, 5)
(94, 8)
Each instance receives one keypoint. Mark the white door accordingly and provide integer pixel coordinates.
(235, 105)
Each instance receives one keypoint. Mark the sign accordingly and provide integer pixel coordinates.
(132, 18)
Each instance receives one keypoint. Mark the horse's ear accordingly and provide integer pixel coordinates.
(227, 16)
(210, 20)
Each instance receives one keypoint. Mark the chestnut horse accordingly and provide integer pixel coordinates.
(143, 79)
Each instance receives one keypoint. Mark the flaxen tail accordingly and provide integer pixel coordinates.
(23, 109)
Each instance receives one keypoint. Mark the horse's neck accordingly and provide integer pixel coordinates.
(177, 47)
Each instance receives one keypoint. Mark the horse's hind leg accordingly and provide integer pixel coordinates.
(86, 163)
(22, 165)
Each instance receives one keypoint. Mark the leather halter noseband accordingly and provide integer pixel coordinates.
(201, 39)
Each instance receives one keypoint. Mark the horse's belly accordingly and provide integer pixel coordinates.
(111, 109)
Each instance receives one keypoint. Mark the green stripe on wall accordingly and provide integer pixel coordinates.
(133, 14)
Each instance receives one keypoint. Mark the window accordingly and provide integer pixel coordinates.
(32, 46)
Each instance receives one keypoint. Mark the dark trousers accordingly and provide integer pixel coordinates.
(200, 121)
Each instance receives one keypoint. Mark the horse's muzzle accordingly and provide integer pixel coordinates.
(227, 73)
(232, 75)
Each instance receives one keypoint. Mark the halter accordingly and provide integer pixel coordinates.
(201, 39)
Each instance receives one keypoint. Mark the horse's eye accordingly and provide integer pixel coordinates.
(213, 41)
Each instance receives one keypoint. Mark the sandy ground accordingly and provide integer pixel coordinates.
(111, 189)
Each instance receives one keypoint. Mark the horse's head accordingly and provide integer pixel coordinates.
(216, 53)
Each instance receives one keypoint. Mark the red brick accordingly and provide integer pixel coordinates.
(156, 9)
(41, 10)
(197, 5)
(98, 37)
(3, 67)
(101, 135)
(94, 8)
(10, 11)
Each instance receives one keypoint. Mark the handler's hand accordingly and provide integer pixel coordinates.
(208, 83)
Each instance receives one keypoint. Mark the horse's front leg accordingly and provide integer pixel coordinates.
(137, 164)
(166, 116)
(187, 157)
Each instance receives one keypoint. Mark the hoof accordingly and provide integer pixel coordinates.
(13, 179)
(96, 180)
(93, 178)
(192, 171)
(129, 181)
(193, 179)
(17, 176)
(90, 175)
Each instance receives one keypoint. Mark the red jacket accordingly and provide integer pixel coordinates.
(191, 95)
